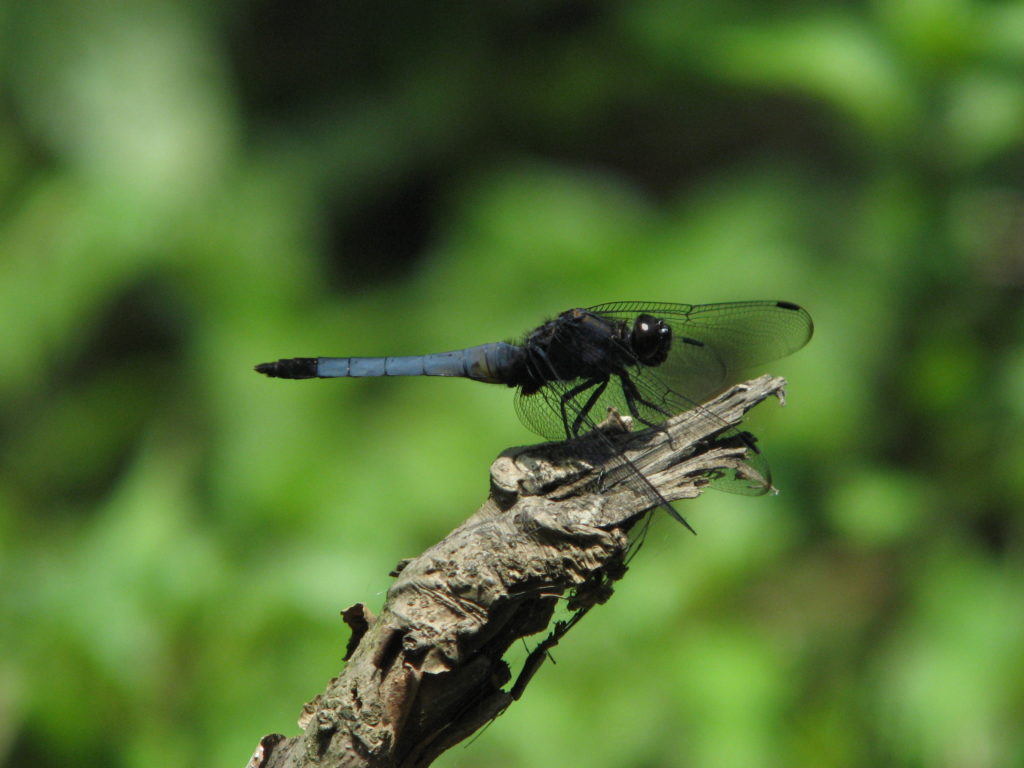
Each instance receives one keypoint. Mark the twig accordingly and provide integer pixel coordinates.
(428, 671)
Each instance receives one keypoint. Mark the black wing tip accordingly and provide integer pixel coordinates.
(291, 368)
(789, 305)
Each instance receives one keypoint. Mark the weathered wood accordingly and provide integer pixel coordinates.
(428, 671)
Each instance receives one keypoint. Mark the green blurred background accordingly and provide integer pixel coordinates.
(189, 188)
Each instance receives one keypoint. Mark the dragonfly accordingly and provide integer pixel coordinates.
(649, 360)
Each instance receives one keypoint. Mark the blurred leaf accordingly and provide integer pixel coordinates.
(836, 58)
(879, 508)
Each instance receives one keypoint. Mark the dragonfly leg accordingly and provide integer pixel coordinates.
(598, 385)
(578, 421)
(633, 396)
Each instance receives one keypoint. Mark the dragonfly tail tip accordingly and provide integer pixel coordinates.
(292, 368)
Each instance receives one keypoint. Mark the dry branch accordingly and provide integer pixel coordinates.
(428, 671)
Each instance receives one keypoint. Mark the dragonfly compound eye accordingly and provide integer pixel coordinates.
(651, 339)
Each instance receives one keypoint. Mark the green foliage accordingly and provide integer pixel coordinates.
(188, 189)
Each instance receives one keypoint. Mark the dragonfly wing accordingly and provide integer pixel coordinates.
(652, 387)
(712, 345)
(539, 411)
(543, 412)
(565, 409)
(736, 335)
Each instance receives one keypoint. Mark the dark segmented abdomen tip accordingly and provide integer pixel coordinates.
(291, 368)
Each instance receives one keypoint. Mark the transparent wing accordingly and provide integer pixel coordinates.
(536, 410)
(653, 388)
(540, 411)
(712, 344)
(731, 338)
(563, 408)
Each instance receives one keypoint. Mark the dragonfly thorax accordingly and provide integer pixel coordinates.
(581, 345)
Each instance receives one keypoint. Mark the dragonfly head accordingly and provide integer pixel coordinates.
(651, 339)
